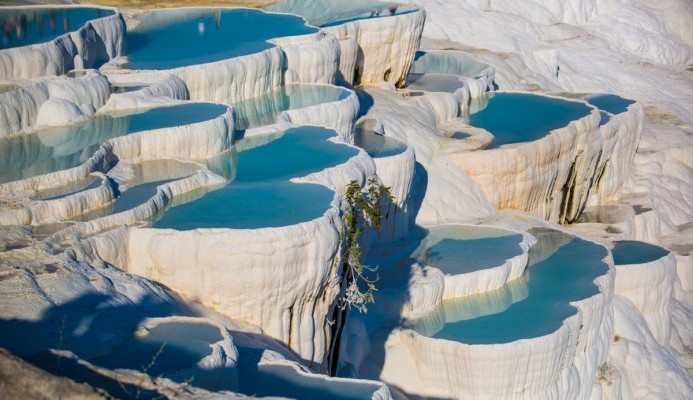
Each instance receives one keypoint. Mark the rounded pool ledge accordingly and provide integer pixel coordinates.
(3, 9)
(494, 145)
(361, 10)
(516, 289)
(119, 66)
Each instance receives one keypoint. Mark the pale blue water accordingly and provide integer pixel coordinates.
(283, 381)
(184, 344)
(634, 252)
(562, 269)
(326, 13)
(23, 27)
(434, 82)
(452, 63)
(521, 117)
(260, 194)
(458, 249)
(378, 146)
(176, 38)
(263, 110)
(26, 155)
(610, 103)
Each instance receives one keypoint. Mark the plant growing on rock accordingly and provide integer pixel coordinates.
(363, 209)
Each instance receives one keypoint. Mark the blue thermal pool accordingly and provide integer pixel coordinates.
(268, 380)
(260, 194)
(181, 346)
(325, 13)
(443, 62)
(27, 155)
(458, 249)
(609, 102)
(23, 27)
(434, 82)
(168, 39)
(562, 269)
(263, 110)
(522, 117)
(378, 146)
(634, 252)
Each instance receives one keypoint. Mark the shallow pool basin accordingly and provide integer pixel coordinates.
(626, 252)
(525, 117)
(377, 145)
(562, 269)
(167, 39)
(28, 26)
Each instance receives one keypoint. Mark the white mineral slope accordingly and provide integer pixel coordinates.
(98, 41)
(293, 269)
(379, 49)
(154, 93)
(52, 101)
(397, 173)
(555, 366)
(339, 115)
(43, 212)
(550, 177)
(248, 76)
(620, 139)
(193, 141)
(312, 58)
(649, 287)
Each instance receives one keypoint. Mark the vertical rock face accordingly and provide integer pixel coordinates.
(379, 49)
(96, 42)
(20, 108)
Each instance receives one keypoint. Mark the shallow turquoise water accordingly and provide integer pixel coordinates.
(26, 155)
(378, 146)
(176, 38)
(434, 82)
(521, 117)
(326, 13)
(23, 27)
(263, 110)
(184, 344)
(634, 252)
(610, 103)
(461, 249)
(260, 194)
(561, 269)
(446, 63)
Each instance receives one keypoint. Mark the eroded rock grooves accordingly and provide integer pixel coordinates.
(174, 196)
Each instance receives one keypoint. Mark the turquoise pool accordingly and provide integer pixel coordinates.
(522, 117)
(23, 27)
(562, 269)
(168, 39)
(441, 62)
(634, 252)
(264, 110)
(378, 146)
(27, 155)
(325, 13)
(434, 82)
(609, 102)
(261, 194)
(458, 249)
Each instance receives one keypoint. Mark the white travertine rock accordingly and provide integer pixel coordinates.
(397, 173)
(649, 287)
(548, 367)
(20, 108)
(386, 47)
(154, 93)
(96, 42)
(550, 177)
(310, 58)
(56, 111)
(339, 115)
